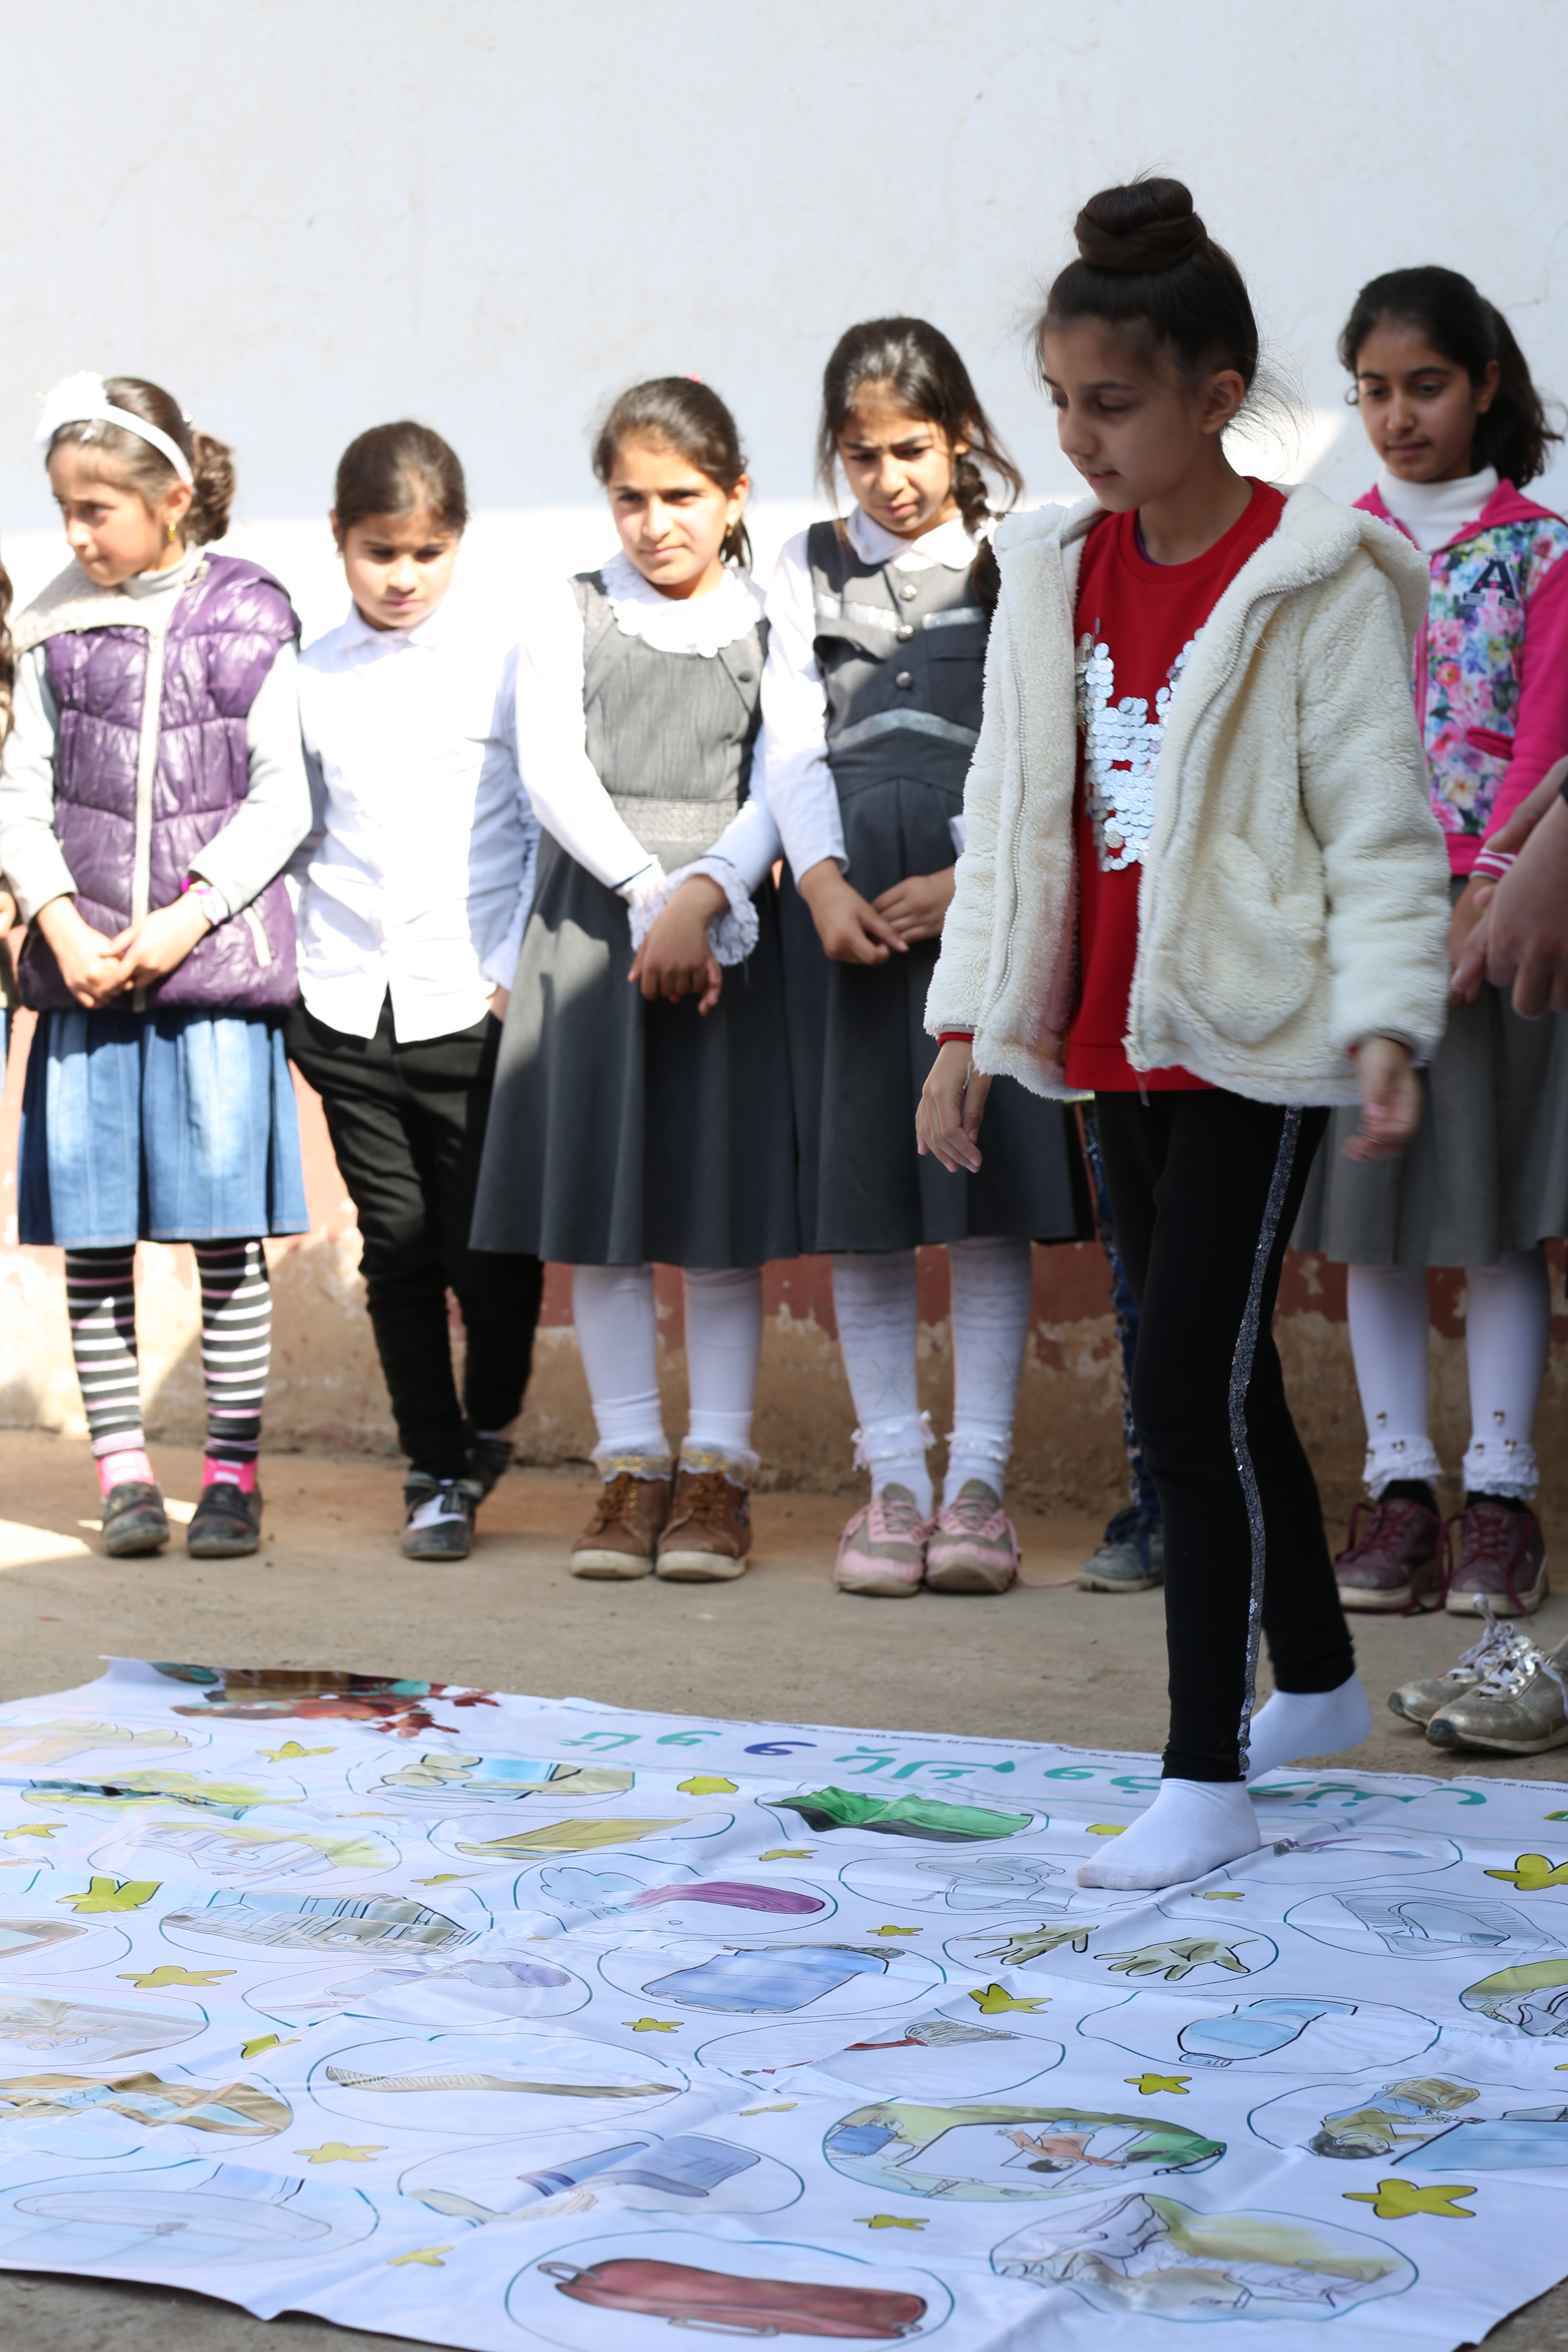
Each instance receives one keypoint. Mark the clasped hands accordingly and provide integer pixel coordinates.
(96, 969)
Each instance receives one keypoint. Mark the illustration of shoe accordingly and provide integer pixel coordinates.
(1501, 1562)
(1518, 1708)
(1391, 1560)
(974, 1547)
(882, 1551)
(1420, 1700)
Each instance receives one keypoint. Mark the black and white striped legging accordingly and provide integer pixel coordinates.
(237, 1344)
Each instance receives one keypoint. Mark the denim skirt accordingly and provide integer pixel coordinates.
(158, 1126)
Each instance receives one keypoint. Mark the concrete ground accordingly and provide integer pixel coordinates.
(330, 1587)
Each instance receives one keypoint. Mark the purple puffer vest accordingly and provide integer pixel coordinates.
(222, 638)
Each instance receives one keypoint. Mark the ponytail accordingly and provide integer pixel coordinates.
(145, 469)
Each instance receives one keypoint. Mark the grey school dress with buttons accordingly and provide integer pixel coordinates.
(622, 1131)
(903, 660)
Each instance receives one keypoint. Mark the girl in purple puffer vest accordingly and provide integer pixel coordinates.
(153, 787)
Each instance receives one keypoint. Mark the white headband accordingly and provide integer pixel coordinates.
(81, 399)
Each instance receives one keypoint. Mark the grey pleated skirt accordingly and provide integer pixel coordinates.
(861, 1057)
(1487, 1173)
(622, 1131)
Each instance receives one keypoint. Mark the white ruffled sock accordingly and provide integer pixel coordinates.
(1307, 1723)
(1191, 1827)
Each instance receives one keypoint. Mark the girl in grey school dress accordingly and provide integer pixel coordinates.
(641, 1112)
(871, 708)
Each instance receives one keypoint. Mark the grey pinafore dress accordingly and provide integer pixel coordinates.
(903, 658)
(622, 1131)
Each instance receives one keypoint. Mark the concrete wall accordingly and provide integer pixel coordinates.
(305, 215)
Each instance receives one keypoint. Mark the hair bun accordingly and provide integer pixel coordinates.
(1140, 230)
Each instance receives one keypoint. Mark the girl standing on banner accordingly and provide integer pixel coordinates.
(641, 1114)
(1448, 405)
(871, 705)
(1203, 879)
(153, 788)
(417, 884)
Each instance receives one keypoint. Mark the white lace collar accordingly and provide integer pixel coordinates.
(678, 624)
(948, 544)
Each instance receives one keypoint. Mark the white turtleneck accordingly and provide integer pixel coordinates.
(1435, 512)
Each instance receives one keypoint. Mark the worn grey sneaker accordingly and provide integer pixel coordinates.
(1520, 1707)
(1132, 1554)
(1419, 1701)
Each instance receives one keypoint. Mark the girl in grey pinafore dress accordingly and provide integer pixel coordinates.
(876, 666)
(622, 1131)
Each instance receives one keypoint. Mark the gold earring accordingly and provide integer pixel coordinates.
(173, 529)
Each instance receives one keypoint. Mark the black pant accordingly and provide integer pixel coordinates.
(407, 1124)
(1204, 1189)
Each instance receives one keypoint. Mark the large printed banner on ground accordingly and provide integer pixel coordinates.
(507, 2023)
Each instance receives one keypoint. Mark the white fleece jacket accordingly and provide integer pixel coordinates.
(1294, 893)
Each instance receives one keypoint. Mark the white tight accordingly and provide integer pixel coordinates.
(874, 1299)
(617, 1333)
(1507, 1329)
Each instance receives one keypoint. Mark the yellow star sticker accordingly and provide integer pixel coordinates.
(449, 1878)
(166, 1975)
(1153, 2086)
(787, 1853)
(888, 2221)
(1106, 1829)
(1219, 1895)
(1531, 1871)
(994, 2001)
(707, 1784)
(429, 2255)
(113, 1894)
(1396, 2200)
(783, 2108)
(37, 1829)
(266, 2042)
(651, 2024)
(894, 1931)
(290, 1749)
(337, 2151)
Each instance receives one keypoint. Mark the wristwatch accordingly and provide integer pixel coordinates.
(212, 902)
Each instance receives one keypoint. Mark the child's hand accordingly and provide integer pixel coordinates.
(150, 949)
(8, 908)
(500, 999)
(952, 1105)
(851, 930)
(675, 959)
(1390, 1100)
(1513, 835)
(1471, 904)
(86, 961)
(917, 906)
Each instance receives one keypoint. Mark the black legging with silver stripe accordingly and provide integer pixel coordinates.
(1205, 1188)
(237, 1344)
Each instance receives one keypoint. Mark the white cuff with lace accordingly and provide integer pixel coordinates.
(731, 935)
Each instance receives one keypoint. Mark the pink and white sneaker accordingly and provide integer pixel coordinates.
(882, 1550)
(975, 1546)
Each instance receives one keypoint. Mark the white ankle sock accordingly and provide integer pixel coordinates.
(1191, 1827)
(1307, 1723)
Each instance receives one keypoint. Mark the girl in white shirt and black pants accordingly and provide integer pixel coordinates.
(417, 888)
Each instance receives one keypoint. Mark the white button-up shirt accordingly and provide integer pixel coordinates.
(794, 745)
(418, 876)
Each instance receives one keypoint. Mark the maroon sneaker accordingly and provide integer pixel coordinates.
(1501, 1563)
(1391, 1560)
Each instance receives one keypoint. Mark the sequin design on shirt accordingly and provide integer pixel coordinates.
(1122, 747)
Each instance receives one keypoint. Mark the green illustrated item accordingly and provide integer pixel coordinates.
(908, 1816)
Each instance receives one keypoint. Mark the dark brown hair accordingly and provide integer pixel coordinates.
(400, 469)
(8, 656)
(1146, 263)
(681, 414)
(923, 372)
(146, 470)
(1457, 320)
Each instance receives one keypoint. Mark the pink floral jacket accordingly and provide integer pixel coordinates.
(1492, 664)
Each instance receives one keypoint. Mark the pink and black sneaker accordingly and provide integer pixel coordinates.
(882, 1551)
(1501, 1561)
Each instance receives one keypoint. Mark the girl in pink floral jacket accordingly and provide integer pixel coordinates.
(1447, 402)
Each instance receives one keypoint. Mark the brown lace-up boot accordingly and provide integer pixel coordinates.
(709, 1532)
(629, 1512)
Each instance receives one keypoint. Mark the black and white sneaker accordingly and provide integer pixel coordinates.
(440, 1516)
(488, 1459)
